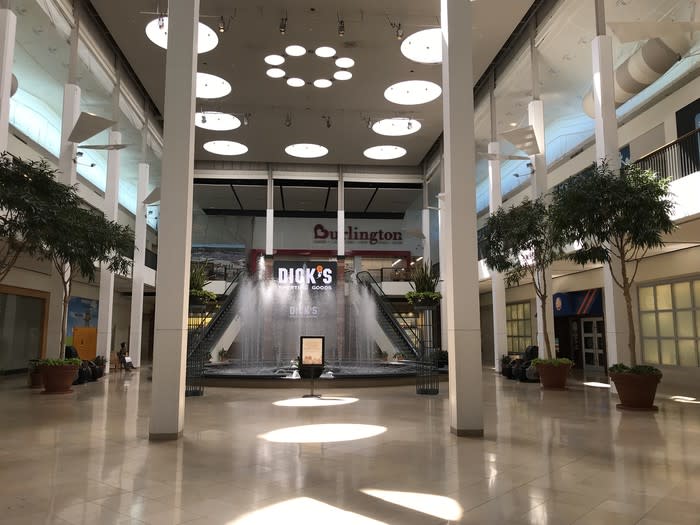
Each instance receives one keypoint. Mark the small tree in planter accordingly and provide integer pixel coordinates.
(199, 274)
(522, 241)
(618, 217)
(424, 280)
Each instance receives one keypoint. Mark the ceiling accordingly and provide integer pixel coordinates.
(369, 40)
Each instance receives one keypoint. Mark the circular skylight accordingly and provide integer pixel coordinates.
(306, 151)
(412, 92)
(325, 52)
(342, 75)
(211, 86)
(396, 127)
(323, 83)
(275, 72)
(295, 82)
(225, 147)
(344, 62)
(157, 32)
(295, 50)
(384, 152)
(274, 60)
(424, 46)
(216, 121)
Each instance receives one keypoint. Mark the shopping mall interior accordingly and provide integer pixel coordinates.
(303, 162)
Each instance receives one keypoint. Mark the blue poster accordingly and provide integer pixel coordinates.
(81, 313)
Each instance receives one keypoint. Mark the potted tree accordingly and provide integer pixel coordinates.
(618, 218)
(199, 274)
(424, 281)
(522, 241)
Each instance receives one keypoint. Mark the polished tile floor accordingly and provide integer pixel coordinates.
(388, 457)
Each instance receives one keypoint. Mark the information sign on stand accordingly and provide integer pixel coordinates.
(312, 351)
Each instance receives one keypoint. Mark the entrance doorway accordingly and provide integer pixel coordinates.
(593, 345)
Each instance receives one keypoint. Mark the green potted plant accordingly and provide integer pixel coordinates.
(424, 281)
(198, 280)
(522, 241)
(618, 218)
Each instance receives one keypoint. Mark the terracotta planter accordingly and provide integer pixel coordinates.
(58, 379)
(36, 379)
(553, 377)
(636, 391)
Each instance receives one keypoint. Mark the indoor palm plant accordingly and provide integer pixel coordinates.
(424, 281)
(617, 218)
(523, 241)
(199, 274)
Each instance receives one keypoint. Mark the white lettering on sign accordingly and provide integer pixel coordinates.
(354, 235)
(306, 276)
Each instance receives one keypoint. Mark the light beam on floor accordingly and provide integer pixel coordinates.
(315, 401)
(303, 511)
(439, 506)
(596, 384)
(325, 433)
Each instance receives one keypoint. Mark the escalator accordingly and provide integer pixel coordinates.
(404, 340)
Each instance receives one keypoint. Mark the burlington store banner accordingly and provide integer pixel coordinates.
(360, 234)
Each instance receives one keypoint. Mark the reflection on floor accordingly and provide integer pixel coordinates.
(548, 457)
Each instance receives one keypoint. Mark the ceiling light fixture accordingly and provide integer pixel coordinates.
(295, 50)
(306, 151)
(342, 75)
(369, 122)
(225, 147)
(396, 26)
(274, 60)
(384, 152)
(216, 121)
(283, 24)
(424, 46)
(222, 25)
(412, 92)
(341, 27)
(323, 83)
(344, 62)
(211, 86)
(246, 117)
(288, 120)
(328, 121)
(396, 127)
(275, 72)
(325, 52)
(157, 32)
(295, 82)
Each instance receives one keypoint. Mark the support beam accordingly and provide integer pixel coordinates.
(175, 231)
(270, 215)
(8, 26)
(139, 269)
(425, 223)
(498, 285)
(458, 231)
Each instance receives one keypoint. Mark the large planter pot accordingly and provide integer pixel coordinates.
(636, 391)
(58, 379)
(553, 377)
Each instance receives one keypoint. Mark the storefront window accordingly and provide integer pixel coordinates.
(518, 327)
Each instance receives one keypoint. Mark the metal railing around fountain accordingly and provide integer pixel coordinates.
(408, 339)
(202, 333)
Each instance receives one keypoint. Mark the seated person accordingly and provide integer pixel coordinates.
(124, 359)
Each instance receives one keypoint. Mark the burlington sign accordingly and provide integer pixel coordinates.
(355, 235)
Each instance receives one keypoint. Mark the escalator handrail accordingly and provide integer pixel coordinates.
(390, 312)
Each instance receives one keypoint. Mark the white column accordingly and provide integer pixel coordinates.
(137, 273)
(175, 227)
(425, 223)
(110, 209)
(458, 234)
(607, 148)
(8, 25)
(341, 213)
(498, 285)
(270, 216)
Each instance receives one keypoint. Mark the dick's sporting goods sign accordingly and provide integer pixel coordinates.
(303, 275)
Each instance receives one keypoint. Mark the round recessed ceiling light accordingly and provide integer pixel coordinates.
(295, 82)
(225, 147)
(295, 50)
(216, 121)
(274, 60)
(323, 83)
(344, 62)
(342, 75)
(424, 46)
(275, 72)
(306, 151)
(396, 127)
(157, 32)
(211, 86)
(384, 152)
(412, 92)
(325, 52)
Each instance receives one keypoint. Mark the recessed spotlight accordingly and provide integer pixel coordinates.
(412, 92)
(216, 121)
(306, 151)
(342, 75)
(384, 152)
(513, 124)
(274, 60)
(396, 127)
(157, 32)
(424, 46)
(295, 82)
(225, 147)
(211, 86)
(325, 52)
(275, 72)
(323, 83)
(295, 50)
(344, 62)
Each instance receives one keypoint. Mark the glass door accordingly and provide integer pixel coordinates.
(593, 339)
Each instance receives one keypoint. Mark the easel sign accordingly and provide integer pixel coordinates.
(312, 350)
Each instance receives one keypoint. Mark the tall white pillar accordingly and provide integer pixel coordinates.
(607, 149)
(458, 232)
(341, 214)
(175, 227)
(71, 111)
(139, 268)
(8, 26)
(498, 285)
(425, 223)
(270, 215)
(111, 208)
